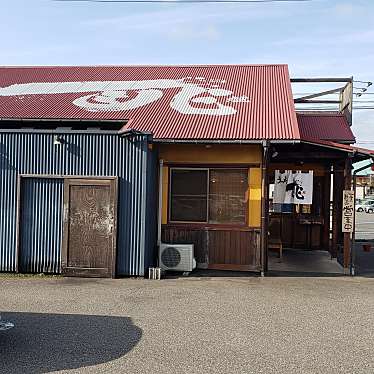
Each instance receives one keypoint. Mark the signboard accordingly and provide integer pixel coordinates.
(348, 211)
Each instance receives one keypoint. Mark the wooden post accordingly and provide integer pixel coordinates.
(326, 209)
(338, 186)
(264, 209)
(347, 235)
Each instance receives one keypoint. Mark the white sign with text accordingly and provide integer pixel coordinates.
(348, 211)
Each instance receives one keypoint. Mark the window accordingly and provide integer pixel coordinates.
(228, 196)
(189, 195)
(217, 196)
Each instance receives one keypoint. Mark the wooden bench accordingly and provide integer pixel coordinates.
(275, 241)
(278, 247)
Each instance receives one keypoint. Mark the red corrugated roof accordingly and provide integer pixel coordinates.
(228, 102)
(325, 126)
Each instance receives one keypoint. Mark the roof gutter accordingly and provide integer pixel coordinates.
(224, 141)
(329, 146)
(130, 134)
(15, 119)
(322, 80)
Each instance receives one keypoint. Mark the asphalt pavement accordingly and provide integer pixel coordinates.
(364, 226)
(188, 325)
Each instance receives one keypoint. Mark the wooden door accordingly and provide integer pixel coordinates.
(90, 207)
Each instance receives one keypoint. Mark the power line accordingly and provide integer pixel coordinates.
(185, 1)
(337, 93)
(330, 109)
(368, 83)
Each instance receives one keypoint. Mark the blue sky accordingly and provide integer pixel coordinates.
(318, 38)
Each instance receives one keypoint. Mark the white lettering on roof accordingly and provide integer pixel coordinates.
(111, 96)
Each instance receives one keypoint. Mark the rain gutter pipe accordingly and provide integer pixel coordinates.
(159, 218)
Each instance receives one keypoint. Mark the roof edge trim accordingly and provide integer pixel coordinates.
(331, 146)
(225, 141)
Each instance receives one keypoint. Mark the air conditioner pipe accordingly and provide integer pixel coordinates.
(159, 218)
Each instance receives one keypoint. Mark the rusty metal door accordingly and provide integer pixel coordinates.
(89, 241)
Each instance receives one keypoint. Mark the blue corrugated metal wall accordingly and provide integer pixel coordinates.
(41, 228)
(150, 257)
(87, 155)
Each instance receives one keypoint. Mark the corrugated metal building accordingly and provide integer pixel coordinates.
(81, 148)
(48, 185)
(31, 220)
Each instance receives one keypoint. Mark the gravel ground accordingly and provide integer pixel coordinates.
(193, 325)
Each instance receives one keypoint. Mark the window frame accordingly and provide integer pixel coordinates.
(170, 197)
(207, 169)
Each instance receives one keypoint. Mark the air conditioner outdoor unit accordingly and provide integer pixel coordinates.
(177, 257)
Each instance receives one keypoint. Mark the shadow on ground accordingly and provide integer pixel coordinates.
(208, 273)
(41, 343)
(290, 274)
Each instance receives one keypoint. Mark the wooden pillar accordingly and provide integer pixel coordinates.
(347, 235)
(326, 209)
(264, 209)
(338, 186)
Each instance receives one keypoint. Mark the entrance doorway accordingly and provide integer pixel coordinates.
(299, 235)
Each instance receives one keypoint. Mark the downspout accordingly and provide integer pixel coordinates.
(264, 205)
(159, 218)
(353, 250)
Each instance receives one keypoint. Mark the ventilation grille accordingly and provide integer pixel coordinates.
(170, 257)
(177, 257)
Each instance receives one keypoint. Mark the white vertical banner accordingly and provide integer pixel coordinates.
(280, 183)
(299, 189)
(293, 188)
(303, 188)
(348, 211)
(290, 188)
